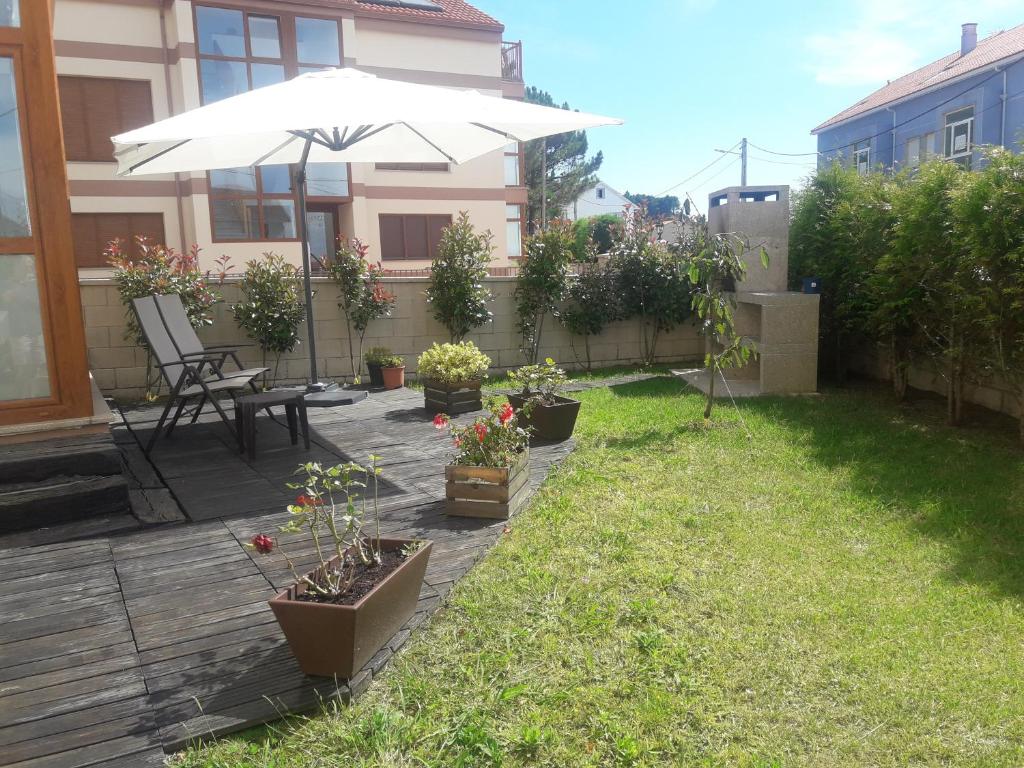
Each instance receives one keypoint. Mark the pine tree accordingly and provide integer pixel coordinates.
(569, 171)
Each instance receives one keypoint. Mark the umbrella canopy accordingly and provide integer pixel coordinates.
(344, 115)
(338, 115)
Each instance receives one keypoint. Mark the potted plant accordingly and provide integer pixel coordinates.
(490, 472)
(538, 405)
(392, 368)
(451, 376)
(364, 588)
(373, 357)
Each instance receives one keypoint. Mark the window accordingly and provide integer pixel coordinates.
(411, 236)
(600, 193)
(411, 166)
(93, 109)
(238, 51)
(93, 232)
(862, 156)
(919, 149)
(9, 13)
(512, 163)
(514, 230)
(958, 141)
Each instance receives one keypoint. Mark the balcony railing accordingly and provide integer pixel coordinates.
(512, 61)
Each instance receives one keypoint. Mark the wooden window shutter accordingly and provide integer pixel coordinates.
(435, 228)
(93, 232)
(392, 237)
(93, 109)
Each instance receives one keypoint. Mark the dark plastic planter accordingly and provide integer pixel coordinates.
(376, 376)
(337, 640)
(549, 422)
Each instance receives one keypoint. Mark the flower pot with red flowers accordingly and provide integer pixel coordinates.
(392, 369)
(452, 375)
(539, 407)
(490, 472)
(364, 587)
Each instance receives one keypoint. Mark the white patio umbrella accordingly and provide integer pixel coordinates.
(338, 115)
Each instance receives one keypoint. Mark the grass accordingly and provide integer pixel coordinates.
(843, 587)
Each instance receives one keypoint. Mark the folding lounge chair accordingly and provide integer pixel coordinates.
(189, 375)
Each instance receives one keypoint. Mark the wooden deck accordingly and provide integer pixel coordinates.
(118, 647)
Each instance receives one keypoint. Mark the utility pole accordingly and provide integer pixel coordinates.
(743, 162)
(544, 183)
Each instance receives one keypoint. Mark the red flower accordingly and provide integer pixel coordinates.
(263, 543)
(481, 431)
(458, 442)
(441, 421)
(306, 501)
(505, 414)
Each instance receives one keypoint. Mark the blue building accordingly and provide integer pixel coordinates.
(945, 109)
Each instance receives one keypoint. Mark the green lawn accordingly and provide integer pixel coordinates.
(842, 588)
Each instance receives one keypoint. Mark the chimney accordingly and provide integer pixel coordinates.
(968, 38)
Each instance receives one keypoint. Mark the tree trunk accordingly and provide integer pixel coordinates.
(586, 347)
(712, 368)
(900, 372)
(1020, 416)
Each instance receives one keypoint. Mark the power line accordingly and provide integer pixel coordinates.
(784, 154)
(698, 173)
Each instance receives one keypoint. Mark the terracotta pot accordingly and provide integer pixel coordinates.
(461, 397)
(394, 378)
(376, 378)
(337, 640)
(492, 492)
(549, 422)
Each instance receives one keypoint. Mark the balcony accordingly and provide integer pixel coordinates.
(512, 61)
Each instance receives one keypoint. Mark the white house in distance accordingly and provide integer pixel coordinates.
(597, 200)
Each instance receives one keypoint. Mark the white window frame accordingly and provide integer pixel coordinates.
(949, 132)
(862, 148)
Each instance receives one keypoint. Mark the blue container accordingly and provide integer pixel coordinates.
(812, 285)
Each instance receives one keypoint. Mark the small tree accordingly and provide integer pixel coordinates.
(158, 269)
(714, 266)
(457, 275)
(595, 235)
(273, 306)
(591, 304)
(361, 297)
(541, 284)
(650, 282)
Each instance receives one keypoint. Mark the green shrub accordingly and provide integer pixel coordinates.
(595, 235)
(453, 363)
(591, 303)
(392, 361)
(374, 355)
(456, 291)
(542, 381)
(273, 305)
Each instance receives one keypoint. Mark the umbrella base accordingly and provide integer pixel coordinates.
(329, 395)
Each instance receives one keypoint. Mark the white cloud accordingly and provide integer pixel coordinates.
(885, 39)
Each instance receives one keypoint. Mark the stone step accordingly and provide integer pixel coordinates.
(62, 499)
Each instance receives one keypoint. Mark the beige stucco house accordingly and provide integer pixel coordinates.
(125, 63)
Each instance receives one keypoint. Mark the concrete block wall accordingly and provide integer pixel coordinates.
(119, 365)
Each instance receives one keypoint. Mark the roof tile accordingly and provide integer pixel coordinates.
(989, 50)
(457, 11)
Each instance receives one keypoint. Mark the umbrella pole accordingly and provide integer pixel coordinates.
(300, 180)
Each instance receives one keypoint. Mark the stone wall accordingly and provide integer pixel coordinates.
(119, 366)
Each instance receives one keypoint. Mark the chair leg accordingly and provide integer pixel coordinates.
(239, 427)
(160, 423)
(199, 408)
(177, 415)
(249, 420)
(223, 416)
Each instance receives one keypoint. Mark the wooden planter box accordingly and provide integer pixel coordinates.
(452, 399)
(337, 640)
(492, 492)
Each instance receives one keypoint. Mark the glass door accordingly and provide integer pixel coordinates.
(24, 373)
(322, 233)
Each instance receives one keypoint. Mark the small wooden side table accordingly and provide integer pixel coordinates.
(247, 406)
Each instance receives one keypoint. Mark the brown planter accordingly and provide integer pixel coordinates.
(394, 378)
(376, 377)
(337, 640)
(549, 422)
(492, 492)
(452, 399)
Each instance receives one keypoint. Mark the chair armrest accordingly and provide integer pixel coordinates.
(227, 347)
(188, 361)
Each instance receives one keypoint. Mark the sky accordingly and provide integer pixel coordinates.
(693, 76)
